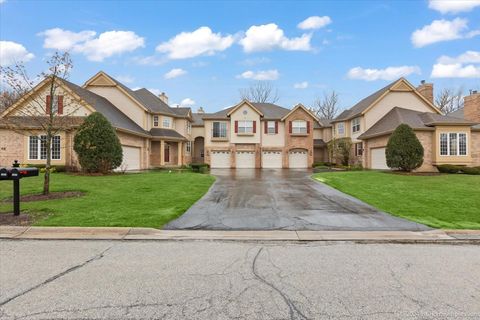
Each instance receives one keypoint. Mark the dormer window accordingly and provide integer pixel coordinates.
(155, 121)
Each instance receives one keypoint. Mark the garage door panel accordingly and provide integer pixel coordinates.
(245, 159)
(271, 159)
(131, 158)
(220, 159)
(298, 159)
(379, 160)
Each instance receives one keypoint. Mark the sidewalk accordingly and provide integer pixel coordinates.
(77, 233)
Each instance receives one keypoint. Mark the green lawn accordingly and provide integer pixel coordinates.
(148, 199)
(440, 201)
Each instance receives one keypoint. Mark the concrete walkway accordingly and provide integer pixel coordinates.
(77, 233)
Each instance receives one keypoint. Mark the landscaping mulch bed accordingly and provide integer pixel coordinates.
(50, 196)
(8, 219)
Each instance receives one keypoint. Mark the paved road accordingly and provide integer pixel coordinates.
(240, 280)
(247, 199)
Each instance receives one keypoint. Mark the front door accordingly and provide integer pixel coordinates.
(167, 153)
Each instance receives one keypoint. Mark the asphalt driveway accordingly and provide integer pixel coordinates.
(249, 199)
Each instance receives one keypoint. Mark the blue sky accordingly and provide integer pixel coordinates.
(204, 52)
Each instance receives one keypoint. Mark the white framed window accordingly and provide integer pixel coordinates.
(245, 126)
(188, 147)
(167, 122)
(37, 148)
(155, 121)
(453, 144)
(55, 104)
(271, 127)
(356, 125)
(340, 128)
(219, 129)
(189, 127)
(299, 126)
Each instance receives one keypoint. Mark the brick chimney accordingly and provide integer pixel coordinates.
(471, 106)
(163, 97)
(426, 90)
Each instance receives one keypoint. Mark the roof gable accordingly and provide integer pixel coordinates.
(241, 104)
(300, 106)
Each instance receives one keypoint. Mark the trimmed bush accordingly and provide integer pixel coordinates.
(404, 150)
(449, 168)
(200, 167)
(471, 170)
(97, 145)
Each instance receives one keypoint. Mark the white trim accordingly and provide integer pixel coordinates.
(39, 148)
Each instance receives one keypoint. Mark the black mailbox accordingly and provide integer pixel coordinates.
(3, 174)
(15, 174)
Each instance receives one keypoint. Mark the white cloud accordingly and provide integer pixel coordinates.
(301, 85)
(260, 75)
(191, 44)
(65, 40)
(187, 102)
(455, 70)
(125, 78)
(453, 6)
(107, 44)
(314, 22)
(12, 52)
(270, 36)
(467, 57)
(390, 73)
(466, 65)
(442, 30)
(174, 73)
(2, 1)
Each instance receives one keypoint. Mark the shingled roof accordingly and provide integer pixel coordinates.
(415, 119)
(116, 117)
(270, 111)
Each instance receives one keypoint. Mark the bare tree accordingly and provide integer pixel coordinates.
(449, 100)
(48, 114)
(260, 91)
(7, 98)
(327, 106)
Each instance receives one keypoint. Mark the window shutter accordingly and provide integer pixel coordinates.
(254, 126)
(276, 126)
(236, 126)
(266, 126)
(289, 126)
(47, 106)
(308, 127)
(60, 104)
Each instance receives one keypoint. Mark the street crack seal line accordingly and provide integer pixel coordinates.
(295, 313)
(55, 277)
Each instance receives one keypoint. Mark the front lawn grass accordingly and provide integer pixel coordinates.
(148, 199)
(448, 201)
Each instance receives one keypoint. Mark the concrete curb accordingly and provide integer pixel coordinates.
(79, 233)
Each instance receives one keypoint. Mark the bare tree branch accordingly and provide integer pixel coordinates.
(42, 114)
(449, 100)
(261, 91)
(327, 106)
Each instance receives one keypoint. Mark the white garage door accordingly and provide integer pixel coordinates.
(379, 161)
(220, 159)
(245, 159)
(298, 159)
(131, 158)
(271, 159)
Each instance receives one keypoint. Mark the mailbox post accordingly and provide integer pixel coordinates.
(15, 173)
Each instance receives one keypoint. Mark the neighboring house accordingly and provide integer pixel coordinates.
(151, 133)
(256, 135)
(247, 135)
(445, 139)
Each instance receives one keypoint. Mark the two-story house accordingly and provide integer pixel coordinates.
(255, 135)
(151, 132)
(445, 139)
